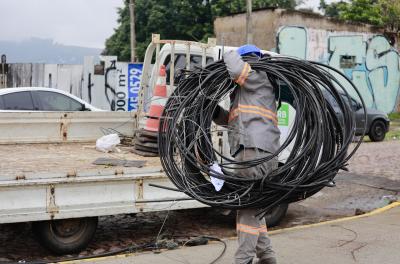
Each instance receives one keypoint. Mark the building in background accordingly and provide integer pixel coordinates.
(366, 54)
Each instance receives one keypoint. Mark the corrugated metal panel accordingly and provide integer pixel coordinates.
(70, 78)
(37, 74)
(50, 75)
(19, 75)
(88, 77)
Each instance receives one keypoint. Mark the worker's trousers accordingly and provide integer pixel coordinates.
(251, 230)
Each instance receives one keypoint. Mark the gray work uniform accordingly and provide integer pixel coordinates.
(252, 232)
(253, 131)
(252, 117)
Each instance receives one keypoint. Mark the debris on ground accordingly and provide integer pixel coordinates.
(119, 162)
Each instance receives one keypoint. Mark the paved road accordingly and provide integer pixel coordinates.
(368, 239)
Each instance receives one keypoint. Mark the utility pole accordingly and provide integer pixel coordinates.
(3, 72)
(249, 26)
(133, 33)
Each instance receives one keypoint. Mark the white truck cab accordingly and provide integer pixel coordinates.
(199, 56)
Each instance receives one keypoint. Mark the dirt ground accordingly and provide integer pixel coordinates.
(372, 181)
(377, 159)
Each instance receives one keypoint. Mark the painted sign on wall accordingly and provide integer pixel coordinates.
(111, 85)
(134, 74)
(368, 60)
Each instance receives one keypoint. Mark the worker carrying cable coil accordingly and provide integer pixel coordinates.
(249, 179)
(254, 134)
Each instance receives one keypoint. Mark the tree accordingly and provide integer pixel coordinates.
(175, 19)
(119, 43)
(391, 14)
(365, 11)
(227, 7)
(384, 13)
(333, 9)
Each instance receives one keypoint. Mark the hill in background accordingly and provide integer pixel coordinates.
(36, 50)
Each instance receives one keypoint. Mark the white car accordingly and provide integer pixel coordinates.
(41, 99)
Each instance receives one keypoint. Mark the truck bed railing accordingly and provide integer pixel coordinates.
(155, 45)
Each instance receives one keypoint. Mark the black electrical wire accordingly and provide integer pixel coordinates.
(129, 249)
(212, 238)
(320, 134)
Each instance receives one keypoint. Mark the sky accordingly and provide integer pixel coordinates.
(70, 22)
(314, 4)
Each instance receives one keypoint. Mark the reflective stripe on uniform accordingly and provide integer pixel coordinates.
(260, 108)
(252, 230)
(253, 109)
(244, 74)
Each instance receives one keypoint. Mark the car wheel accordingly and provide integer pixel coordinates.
(65, 236)
(377, 131)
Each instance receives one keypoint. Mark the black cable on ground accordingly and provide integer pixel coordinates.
(212, 238)
(129, 249)
(320, 136)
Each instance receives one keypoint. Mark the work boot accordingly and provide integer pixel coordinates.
(266, 261)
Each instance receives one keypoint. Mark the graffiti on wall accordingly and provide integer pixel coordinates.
(368, 60)
(109, 84)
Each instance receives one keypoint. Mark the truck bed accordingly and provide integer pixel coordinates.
(47, 170)
(56, 181)
(29, 161)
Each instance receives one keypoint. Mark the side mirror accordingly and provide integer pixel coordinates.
(355, 105)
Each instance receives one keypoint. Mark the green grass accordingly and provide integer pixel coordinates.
(394, 116)
(393, 135)
(394, 130)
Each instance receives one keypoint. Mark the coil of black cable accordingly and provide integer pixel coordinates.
(321, 138)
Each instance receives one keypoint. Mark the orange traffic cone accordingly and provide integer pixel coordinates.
(158, 102)
(146, 139)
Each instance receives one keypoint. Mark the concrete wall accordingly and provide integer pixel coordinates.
(266, 23)
(358, 50)
(114, 86)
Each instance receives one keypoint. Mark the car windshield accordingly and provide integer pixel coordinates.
(353, 102)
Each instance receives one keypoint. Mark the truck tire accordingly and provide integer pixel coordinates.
(65, 236)
(275, 216)
(377, 131)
